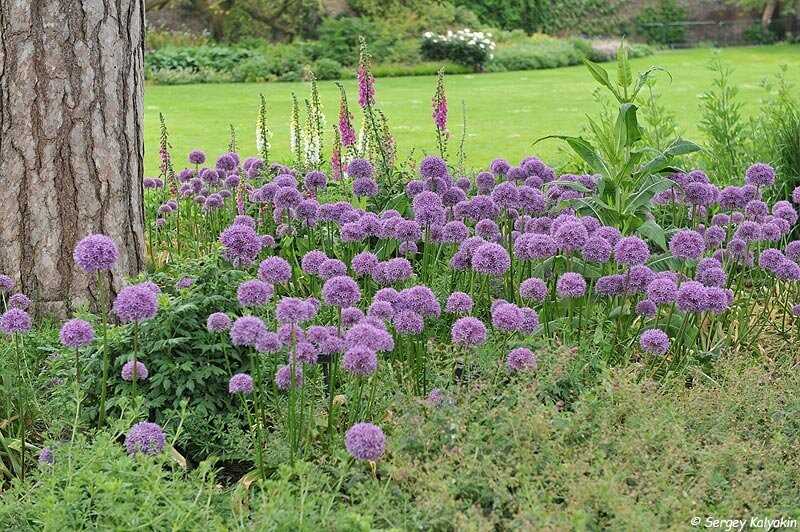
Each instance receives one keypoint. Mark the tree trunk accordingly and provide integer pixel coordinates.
(768, 13)
(71, 149)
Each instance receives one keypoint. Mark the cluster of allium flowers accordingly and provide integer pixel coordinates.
(654, 341)
(570, 285)
(241, 383)
(365, 441)
(241, 245)
(246, 330)
(146, 438)
(631, 250)
(254, 293)
(370, 335)
(6, 283)
(294, 310)
(691, 297)
(312, 260)
(662, 290)
(491, 259)
(341, 291)
(459, 303)
(135, 304)
(428, 208)
(534, 289)
(521, 359)
(506, 316)
(141, 372)
(468, 331)
(760, 175)
(20, 301)
(76, 333)
(275, 270)
(432, 167)
(218, 322)
(283, 377)
(15, 321)
(596, 249)
(95, 253)
(408, 322)
(571, 236)
(359, 360)
(687, 244)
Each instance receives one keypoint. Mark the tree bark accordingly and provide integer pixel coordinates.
(71, 148)
(767, 14)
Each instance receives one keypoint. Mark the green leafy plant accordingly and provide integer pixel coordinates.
(630, 173)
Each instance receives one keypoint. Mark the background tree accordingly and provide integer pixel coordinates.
(71, 149)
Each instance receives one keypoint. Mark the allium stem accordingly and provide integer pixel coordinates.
(106, 362)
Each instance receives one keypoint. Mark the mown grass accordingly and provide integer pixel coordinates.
(505, 111)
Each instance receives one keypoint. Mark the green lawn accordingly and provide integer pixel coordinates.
(505, 111)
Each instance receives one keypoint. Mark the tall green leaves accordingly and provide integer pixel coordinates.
(630, 172)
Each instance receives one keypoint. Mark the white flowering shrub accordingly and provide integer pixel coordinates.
(466, 47)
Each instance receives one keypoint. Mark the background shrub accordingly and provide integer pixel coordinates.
(655, 23)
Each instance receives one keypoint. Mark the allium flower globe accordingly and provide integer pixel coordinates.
(15, 321)
(654, 341)
(241, 383)
(145, 438)
(76, 333)
(218, 322)
(141, 372)
(96, 253)
(468, 331)
(135, 304)
(360, 361)
(521, 359)
(365, 441)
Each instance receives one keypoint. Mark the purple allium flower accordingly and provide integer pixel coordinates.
(351, 316)
(141, 371)
(571, 236)
(760, 175)
(748, 231)
(408, 322)
(294, 310)
(529, 246)
(275, 270)
(218, 322)
(691, 297)
(241, 245)
(360, 168)
(146, 438)
(436, 397)
(796, 310)
(135, 303)
(646, 308)
(610, 285)
(227, 161)
(413, 188)
(287, 198)
(717, 300)
(15, 321)
(520, 359)
(530, 320)
(315, 179)
(6, 283)
(631, 250)
(488, 230)
(571, 285)
(365, 186)
(359, 360)
(364, 263)
(506, 195)
(268, 342)
(341, 291)
(381, 309)
(491, 259)
(419, 299)
(534, 289)
(369, 335)
(485, 182)
(611, 234)
(687, 244)
(596, 249)
(95, 252)
(432, 166)
(20, 301)
(459, 303)
(365, 441)
(468, 331)
(283, 377)
(387, 294)
(46, 456)
(700, 194)
(197, 157)
(499, 167)
(331, 268)
(714, 237)
(246, 330)
(506, 316)
(654, 341)
(76, 333)
(311, 261)
(662, 290)
(305, 352)
(184, 282)
(428, 208)
(638, 278)
(243, 219)
(254, 293)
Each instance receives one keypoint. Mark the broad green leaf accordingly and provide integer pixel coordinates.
(628, 131)
(681, 146)
(650, 229)
(584, 150)
(646, 193)
(600, 74)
